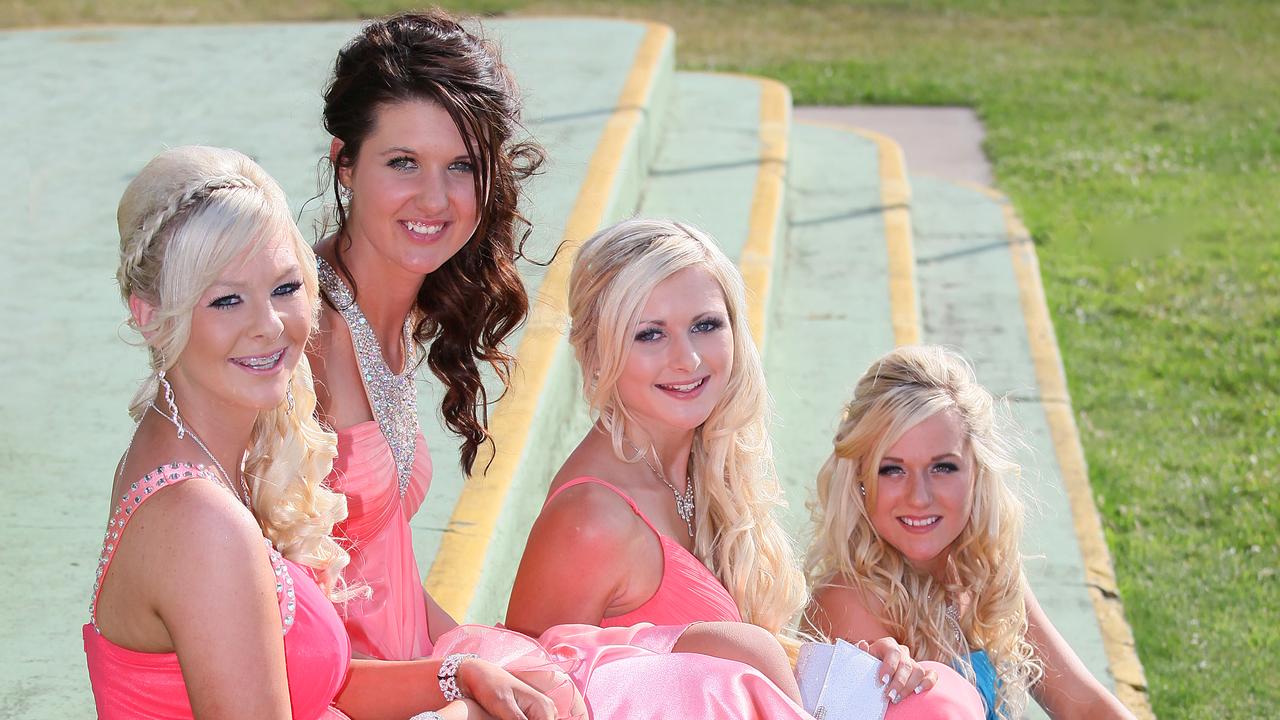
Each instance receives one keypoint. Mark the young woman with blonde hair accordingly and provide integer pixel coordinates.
(215, 587)
(664, 511)
(917, 535)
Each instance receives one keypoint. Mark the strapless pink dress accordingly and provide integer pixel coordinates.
(688, 591)
(132, 685)
(390, 624)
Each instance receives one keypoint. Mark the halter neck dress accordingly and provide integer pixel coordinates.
(128, 684)
(384, 469)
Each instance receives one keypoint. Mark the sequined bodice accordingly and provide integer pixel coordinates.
(393, 398)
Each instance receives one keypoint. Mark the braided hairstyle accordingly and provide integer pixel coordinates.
(190, 213)
(475, 300)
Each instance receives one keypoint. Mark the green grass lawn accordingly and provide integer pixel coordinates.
(1140, 141)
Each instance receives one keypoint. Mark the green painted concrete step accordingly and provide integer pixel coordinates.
(84, 109)
(970, 302)
(830, 316)
(708, 157)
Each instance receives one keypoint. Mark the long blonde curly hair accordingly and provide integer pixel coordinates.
(898, 391)
(735, 485)
(189, 213)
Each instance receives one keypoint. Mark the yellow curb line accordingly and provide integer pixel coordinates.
(895, 201)
(1117, 636)
(767, 199)
(459, 563)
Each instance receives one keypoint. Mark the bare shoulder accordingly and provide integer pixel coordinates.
(201, 518)
(840, 610)
(588, 515)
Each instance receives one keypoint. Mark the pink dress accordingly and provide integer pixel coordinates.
(140, 685)
(688, 591)
(630, 673)
(390, 624)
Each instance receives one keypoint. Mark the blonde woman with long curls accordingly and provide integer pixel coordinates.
(917, 534)
(215, 586)
(664, 511)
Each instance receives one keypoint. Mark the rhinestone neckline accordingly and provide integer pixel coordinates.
(393, 398)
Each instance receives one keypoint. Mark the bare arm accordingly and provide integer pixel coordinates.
(1068, 690)
(393, 690)
(839, 611)
(575, 562)
(214, 591)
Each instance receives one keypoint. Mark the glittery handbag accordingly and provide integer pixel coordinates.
(838, 682)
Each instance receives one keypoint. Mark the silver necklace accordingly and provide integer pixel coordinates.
(242, 492)
(393, 398)
(684, 502)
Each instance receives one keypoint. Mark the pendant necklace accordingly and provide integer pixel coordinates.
(684, 501)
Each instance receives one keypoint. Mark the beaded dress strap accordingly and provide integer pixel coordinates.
(393, 398)
(142, 489)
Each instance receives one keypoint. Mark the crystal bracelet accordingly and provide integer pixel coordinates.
(448, 676)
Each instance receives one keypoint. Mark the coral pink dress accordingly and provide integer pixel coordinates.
(384, 469)
(688, 591)
(390, 624)
(140, 685)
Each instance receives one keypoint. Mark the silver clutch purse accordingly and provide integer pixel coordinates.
(838, 682)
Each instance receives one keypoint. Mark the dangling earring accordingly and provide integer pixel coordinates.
(344, 192)
(288, 397)
(173, 405)
(862, 489)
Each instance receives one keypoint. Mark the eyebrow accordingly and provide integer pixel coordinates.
(886, 458)
(700, 316)
(292, 270)
(399, 149)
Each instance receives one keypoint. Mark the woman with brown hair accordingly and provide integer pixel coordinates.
(428, 162)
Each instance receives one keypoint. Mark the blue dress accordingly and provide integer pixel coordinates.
(984, 678)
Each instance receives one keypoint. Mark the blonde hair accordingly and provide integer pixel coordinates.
(736, 488)
(898, 391)
(189, 214)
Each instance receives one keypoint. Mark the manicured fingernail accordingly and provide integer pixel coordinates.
(884, 680)
(917, 690)
(893, 696)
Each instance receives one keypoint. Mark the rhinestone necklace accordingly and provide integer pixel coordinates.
(684, 502)
(953, 614)
(241, 493)
(393, 398)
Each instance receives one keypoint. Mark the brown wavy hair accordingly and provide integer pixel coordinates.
(475, 300)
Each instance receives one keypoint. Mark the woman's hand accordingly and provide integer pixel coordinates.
(505, 696)
(899, 674)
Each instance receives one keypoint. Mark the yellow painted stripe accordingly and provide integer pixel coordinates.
(895, 203)
(1117, 636)
(459, 563)
(765, 219)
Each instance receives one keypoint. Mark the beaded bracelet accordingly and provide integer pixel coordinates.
(448, 676)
